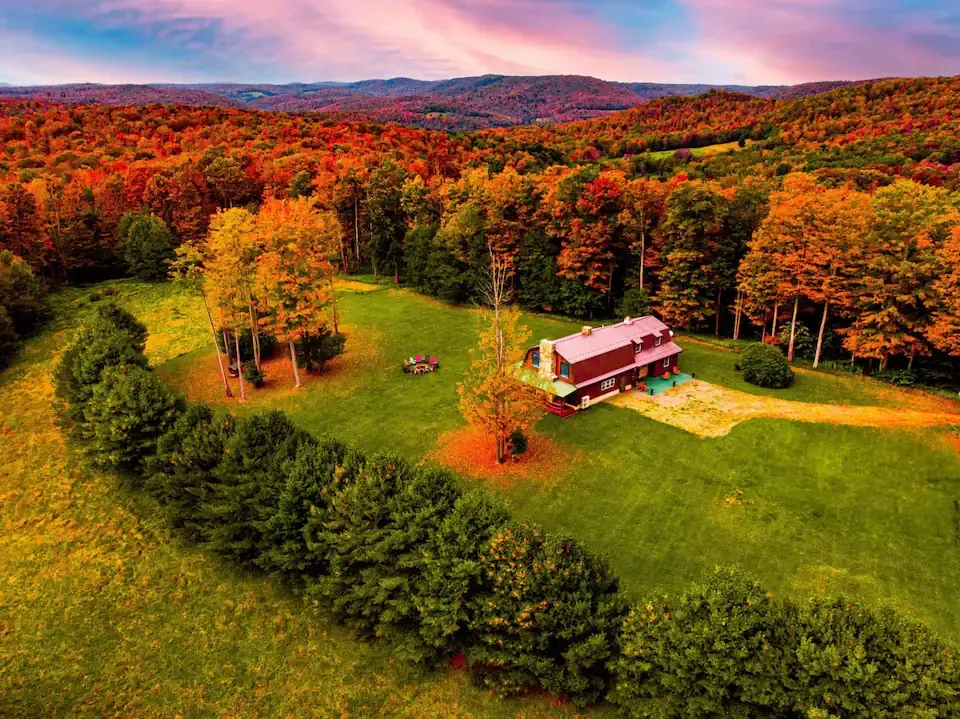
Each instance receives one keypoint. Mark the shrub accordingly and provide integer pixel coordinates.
(9, 340)
(319, 348)
(126, 414)
(634, 303)
(518, 442)
(147, 245)
(375, 537)
(548, 617)
(765, 366)
(446, 593)
(268, 344)
(850, 660)
(182, 475)
(711, 652)
(248, 483)
(253, 375)
(312, 479)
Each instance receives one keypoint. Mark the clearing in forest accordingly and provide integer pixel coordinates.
(708, 410)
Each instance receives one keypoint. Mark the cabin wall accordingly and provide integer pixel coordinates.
(602, 364)
(594, 390)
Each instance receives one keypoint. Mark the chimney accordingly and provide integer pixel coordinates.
(547, 352)
(627, 320)
(586, 331)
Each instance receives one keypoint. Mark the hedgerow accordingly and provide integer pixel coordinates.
(402, 553)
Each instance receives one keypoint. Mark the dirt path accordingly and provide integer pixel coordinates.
(711, 411)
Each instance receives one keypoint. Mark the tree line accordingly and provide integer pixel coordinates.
(404, 554)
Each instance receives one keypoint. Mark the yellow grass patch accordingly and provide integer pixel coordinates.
(707, 410)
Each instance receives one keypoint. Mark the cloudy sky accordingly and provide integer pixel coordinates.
(712, 41)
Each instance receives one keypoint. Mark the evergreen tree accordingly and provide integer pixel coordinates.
(549, 616)
(182, 475)
(127, 413)
(22, 293)
(716, 650)
(376, 537)
(312, 479)
(111, 337)
(447, 593)
(9, 339)
(248, 483)
(147, 245)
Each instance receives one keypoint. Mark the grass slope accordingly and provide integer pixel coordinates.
(101, 611)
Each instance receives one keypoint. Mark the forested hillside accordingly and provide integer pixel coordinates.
(829, 222)
(467, 103)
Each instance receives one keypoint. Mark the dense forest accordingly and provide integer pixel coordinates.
(466, 103)
(829, 223)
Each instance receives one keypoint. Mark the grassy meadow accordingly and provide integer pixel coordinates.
(102, 611)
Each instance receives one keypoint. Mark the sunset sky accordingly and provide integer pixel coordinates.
(711, 41)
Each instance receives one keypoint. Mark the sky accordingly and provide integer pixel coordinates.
(703, 41)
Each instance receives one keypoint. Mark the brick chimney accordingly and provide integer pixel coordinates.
(586, 331)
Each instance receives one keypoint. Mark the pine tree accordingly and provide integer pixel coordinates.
(248, 483)
(548, 616)
(376, 537)
(448, 590)
(182, 475)
(127, 413)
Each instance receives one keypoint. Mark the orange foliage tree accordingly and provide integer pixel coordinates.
(945, 330)
(491, 397)
(294, 277)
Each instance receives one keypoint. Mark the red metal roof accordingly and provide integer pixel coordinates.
(579, 347)
(641, 359)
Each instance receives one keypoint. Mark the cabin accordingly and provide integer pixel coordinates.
(596, 363)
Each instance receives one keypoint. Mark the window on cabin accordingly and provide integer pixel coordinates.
(666, 362)
(565, 370)
(659, 340)
(637, 347)
(535, 358)
(608, 384)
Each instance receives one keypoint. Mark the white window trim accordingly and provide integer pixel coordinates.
(608, 384)
(659, 341)
(561, 370)
(666, 362)
(535, 359)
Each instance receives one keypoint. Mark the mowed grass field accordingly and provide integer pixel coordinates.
(102, 611)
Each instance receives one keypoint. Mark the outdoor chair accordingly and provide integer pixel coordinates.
(419, 359)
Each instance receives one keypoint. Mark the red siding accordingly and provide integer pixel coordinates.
(602, 364)
(593, 391)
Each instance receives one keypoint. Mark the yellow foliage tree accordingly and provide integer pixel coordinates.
(294, 278)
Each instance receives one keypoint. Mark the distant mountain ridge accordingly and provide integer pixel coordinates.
(466, 103)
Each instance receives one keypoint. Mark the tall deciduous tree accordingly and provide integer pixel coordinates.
(690, 235)
(230, 256)
(945, 331)
(896, 299)
(388, 223)
(491, 398)
(295, 271)
(188, 269)
(643, 207)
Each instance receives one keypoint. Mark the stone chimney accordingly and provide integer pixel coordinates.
(586, 331)
(547, 353)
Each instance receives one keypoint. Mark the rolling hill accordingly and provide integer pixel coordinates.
(468, 103)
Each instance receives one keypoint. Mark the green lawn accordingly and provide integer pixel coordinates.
(701, 151)
(100, 608)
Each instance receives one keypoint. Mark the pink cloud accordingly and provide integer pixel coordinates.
(356, 39)
(802, 40)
